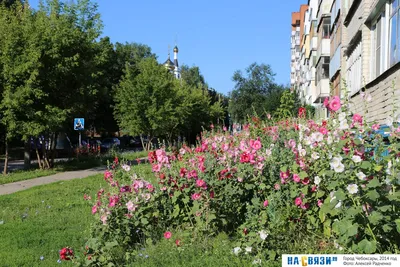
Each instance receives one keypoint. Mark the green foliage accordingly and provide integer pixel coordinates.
(286, 108)
(255, 93)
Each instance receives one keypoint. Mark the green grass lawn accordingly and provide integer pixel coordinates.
(41, 220)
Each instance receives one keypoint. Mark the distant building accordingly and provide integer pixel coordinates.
(173, 66)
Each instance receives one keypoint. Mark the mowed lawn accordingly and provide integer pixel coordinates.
(38, 222)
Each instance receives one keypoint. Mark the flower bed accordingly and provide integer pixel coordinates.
(269, 187)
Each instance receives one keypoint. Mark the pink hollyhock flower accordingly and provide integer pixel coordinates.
(277, 186)
(296, 178)
(150, 187)
(319, 203)
(326, 102)
(196, 196)
(375, 127)
(266, 203)
(156, 167)
(313, 188)
(305, 206)
(94, 209)
(103, 218)
(357, 118)
(269, 116)
(107, 175)
(284, 175)
(182, 172)
(298, 201)
(113, 201)
(245, 157)
(240, 179)
(225, 147)
(305, 181)
(131, 206)
(292, 143)
(212, 194)
(201, 183)
(335, 105)
(255, 144)
(323, 130)
(192, 174)
(177, 242)
(167, 235)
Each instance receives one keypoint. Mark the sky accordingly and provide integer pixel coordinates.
(219, 36)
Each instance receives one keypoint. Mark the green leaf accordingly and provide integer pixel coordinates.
(378, 168)
(367, 246)
(397, 222)
(373, 183)
(271, 255)
(176, 211)
(340, 195)
(303, 175)
(375, 217)
(144, 221)
(385, 208)
(373, 195)
(353, 230)
(327, 228)
(387, 228)
(352, 211)
(109, 245)
(366, 165)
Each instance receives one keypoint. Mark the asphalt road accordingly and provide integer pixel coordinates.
(19, 164)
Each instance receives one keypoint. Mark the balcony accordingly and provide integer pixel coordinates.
(292, 81)
(297, 55)
(314, 43)
(293, 45)
(322, 91)
(324, 48)
(293, 33)
(293, 58)
(298, 42)
(292, 70)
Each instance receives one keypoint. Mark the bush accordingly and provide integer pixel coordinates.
(273, 188)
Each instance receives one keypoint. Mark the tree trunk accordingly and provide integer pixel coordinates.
(6, 159)
(27, 155)
(44, 154)
(38, 155)
(53, 148)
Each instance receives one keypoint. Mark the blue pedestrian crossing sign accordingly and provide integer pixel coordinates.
(79, 124)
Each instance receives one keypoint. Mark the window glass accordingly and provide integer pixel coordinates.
(395, 4)
(393, 40)
(398, 36)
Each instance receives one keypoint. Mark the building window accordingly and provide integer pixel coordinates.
(354, 69)
(323, 69)
(394, 53)
(326, 27)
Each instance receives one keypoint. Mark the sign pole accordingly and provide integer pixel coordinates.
(80, 139)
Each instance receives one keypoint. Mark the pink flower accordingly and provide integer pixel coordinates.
(255, 144)
(156, 167)
(292, 143)
(298, 201)
(326, 102)
(103, 218)
(319, 203)
(107, 175)
(94, 209)
(130, 206)
(277, 186)
(113, 201)
(357, 118)
(335, 105)
(201, 183)
(296, 178)
(284, 175)
(245, 157)
(196, 196)
(182, 172)
(305, 206)
(167, 235)
(305, 181)
(150, 187)
(323, 130)
(375, 127)
(266, 203)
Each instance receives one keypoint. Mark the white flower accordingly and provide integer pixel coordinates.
(317, 180)
(257, 261)
(329, 140)
(307, 141)
(342, 116)
(361, 175)
(339, 168)
(352, 188)
(356, 159)
(237, 250)
(126, 167)
(263, 235)
(248, 249)
(338, 205)
(335, 162)
(344, 125)
(268, 152)
(389, 121)
(317, 137)
(302, 152)
(315, 155)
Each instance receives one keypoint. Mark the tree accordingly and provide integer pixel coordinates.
(255, 92)
(48, 68)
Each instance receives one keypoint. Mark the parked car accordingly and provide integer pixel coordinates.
(109, 143)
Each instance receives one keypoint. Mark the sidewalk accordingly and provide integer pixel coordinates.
(10, 188)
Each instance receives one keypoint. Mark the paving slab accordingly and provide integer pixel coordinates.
(10, 188)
